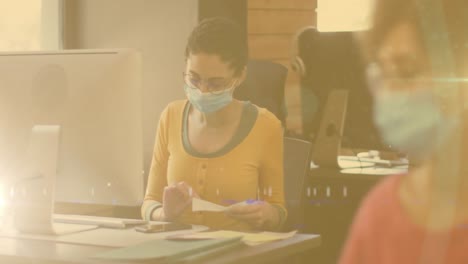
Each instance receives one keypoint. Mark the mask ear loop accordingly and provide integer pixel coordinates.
(233, 87)
(237, 82)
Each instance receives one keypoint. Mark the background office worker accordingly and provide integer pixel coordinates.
(215, 147)
(421, 51)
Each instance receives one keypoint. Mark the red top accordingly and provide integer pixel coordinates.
(383, 233)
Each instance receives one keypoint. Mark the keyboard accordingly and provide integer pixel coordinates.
(64, 229)
(97, 220)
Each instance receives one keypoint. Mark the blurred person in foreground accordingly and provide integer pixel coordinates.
(418, 67)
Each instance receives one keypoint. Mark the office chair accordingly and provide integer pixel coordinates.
(264, 86)
(296, 169)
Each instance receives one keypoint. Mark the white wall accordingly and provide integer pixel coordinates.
(51, 24)
(20, 25)
(158, 28)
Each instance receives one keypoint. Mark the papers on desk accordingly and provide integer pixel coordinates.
(251, 239)
(354, 161)
(363, 165)
(355, 165)
(376, 170)
(199, 205)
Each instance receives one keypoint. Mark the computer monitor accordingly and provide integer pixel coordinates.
(333, 62)
(95, 96)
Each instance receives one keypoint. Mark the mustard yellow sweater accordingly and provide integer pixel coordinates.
(249, 167)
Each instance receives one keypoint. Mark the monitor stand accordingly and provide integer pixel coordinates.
(327, 145)
(33, 201)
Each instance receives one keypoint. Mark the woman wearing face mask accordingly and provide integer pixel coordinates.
(214, 147)
(420, 54)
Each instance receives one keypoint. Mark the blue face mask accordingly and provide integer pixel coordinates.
(208, 102)
(412, 122)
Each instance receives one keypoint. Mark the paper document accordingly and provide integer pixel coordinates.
(349, 162)
(202, 205)
(377, 170)
(251, 239)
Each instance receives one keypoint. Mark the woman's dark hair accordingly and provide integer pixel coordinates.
(222, 37)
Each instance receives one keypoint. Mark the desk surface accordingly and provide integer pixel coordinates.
(14, 250)
(330, 207)
(338, 174)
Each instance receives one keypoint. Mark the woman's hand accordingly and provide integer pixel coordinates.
(259, 214)
(176, 198)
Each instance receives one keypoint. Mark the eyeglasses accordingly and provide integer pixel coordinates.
(214, 86)
(402, 80)
(374, 74)
(444, 88)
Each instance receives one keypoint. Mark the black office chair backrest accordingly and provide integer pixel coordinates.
(264, 86)
(296, 168)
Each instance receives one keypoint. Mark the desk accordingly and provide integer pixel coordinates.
(330, 208)
(37, 251)
(329, 216)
